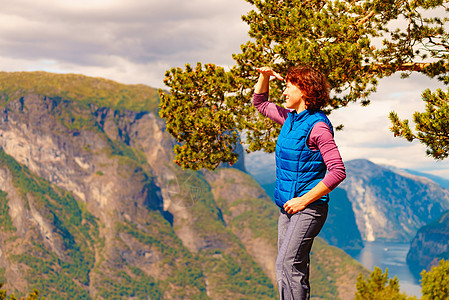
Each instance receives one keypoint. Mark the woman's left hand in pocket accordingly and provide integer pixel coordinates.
(294, 205)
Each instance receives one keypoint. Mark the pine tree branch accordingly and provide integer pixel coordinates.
(412, 66)
(365, 18)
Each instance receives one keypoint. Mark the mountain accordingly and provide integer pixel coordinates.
(430, 245)
(92, 206)
(407, 172)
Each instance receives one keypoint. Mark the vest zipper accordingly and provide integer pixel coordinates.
(291, 125)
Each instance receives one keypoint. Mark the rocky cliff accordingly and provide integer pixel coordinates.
(92, 206)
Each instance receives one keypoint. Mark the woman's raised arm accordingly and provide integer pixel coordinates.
(260, 97)
(262, 84)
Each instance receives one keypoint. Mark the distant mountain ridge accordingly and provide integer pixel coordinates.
(443, 182)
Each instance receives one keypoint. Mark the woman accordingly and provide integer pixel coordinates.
(305, 150)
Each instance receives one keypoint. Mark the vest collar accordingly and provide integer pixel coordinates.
(299, 116)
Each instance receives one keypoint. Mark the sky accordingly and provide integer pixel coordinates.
(136, 41)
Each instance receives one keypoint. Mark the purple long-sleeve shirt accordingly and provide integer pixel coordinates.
(320, 138)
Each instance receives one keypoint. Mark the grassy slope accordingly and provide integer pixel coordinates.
(82, 89)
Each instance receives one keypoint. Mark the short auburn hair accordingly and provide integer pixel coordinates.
(312, 83)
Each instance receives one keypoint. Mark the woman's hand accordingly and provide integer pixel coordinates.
(294, 205)
(262, 84)
(269, 72)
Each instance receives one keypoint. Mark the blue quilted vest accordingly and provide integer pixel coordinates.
(298, 169)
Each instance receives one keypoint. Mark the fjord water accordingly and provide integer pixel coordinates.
(392, 256)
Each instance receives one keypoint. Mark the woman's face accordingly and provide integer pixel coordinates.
(293, 97)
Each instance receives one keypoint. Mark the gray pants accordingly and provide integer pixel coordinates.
(295, 237)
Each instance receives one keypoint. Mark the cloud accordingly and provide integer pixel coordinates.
(150, 36)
